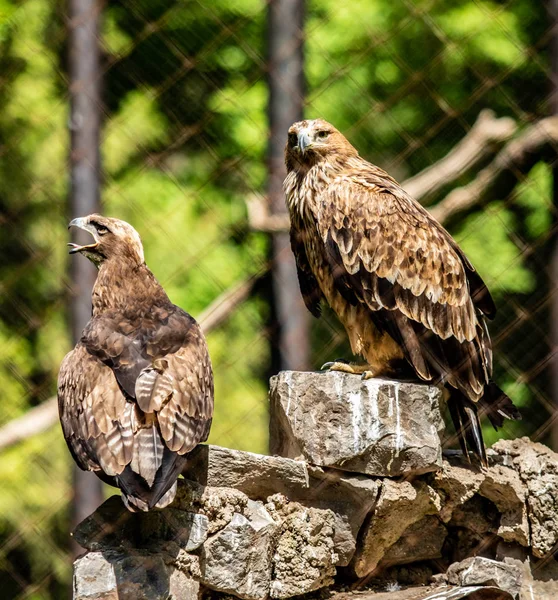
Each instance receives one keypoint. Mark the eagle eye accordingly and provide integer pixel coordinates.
(322, 134)
(293, 139)
(101, 229)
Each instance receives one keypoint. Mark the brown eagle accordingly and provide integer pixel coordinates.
(136, 393)
(411, 302)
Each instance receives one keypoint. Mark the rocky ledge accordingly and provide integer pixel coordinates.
(259, 527)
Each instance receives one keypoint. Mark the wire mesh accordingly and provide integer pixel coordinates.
(185, 135)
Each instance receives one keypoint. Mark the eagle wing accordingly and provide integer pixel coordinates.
(95, 416)
(135, 397)
(309, 288)
(387, 252)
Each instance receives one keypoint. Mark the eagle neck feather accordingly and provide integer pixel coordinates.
(125, 285)
(304, 185)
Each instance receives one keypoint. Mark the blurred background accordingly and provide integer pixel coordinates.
(172, 115)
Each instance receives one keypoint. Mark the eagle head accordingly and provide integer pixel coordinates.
(310, 142)
(112, 237)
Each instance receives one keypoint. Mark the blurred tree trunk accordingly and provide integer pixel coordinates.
(85, 120)
(290, 340)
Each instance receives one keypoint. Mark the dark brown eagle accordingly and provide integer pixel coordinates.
(136, 393)
(408, 297)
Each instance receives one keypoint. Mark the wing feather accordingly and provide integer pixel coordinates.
(89, 400)
(309, 288)
(386, 250)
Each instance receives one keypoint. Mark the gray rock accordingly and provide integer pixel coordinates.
(401, 504)
(375, 427)
(478, 570)
(422, 540)
(218, 504)
(503, 486)
(94, 578)
(115, 576)
(435, 592)
(350, 496)
(113, 526)
(457, 482)
(257, 475)
(304, 558)
(537, 466)
(238, 558)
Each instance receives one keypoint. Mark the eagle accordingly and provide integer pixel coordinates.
(136, 393)
(412, 304)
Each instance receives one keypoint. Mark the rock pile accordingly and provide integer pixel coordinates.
(362, 492)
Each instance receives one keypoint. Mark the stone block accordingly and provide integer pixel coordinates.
(304, 558)
(115, 576)
(113, 526)
(478, 570)
(375, 427)
(401, 504)
(238, 559)
(537, 466)
(257, 475)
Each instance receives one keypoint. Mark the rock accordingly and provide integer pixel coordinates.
(304, 558)
(113, 526)
(94, 578)
(348, 495)
(217, 504)
(401, 504)
(115, 576)
(422, 540)
(456, 483)
(257, 475)
(504, 487)
(484, 571)
(537, 466)
(238, 558)
(395, 592)
(375, 427)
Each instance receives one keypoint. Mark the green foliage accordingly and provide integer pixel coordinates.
(184, 143)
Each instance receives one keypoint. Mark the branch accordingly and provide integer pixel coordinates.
(539, 142)
(484, 138)
(45, 415)
(34, 421)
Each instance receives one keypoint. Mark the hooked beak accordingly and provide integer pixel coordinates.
(304, 141)
(82, 223)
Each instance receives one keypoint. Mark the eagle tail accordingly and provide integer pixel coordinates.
(465, 417)
(498, 406)
(139, 495)
(136, 503)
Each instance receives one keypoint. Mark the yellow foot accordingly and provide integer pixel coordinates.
(347, 367)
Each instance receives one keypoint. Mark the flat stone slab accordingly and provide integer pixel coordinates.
(376, 427)
(257, 475)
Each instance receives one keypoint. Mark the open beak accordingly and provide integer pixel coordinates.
(82, 223)
(304, 141)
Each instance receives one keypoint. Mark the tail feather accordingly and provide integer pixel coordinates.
(498, 406)
(465, 416)
(466, 420)
(139, 495)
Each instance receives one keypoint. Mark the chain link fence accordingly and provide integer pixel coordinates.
(453, 98)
